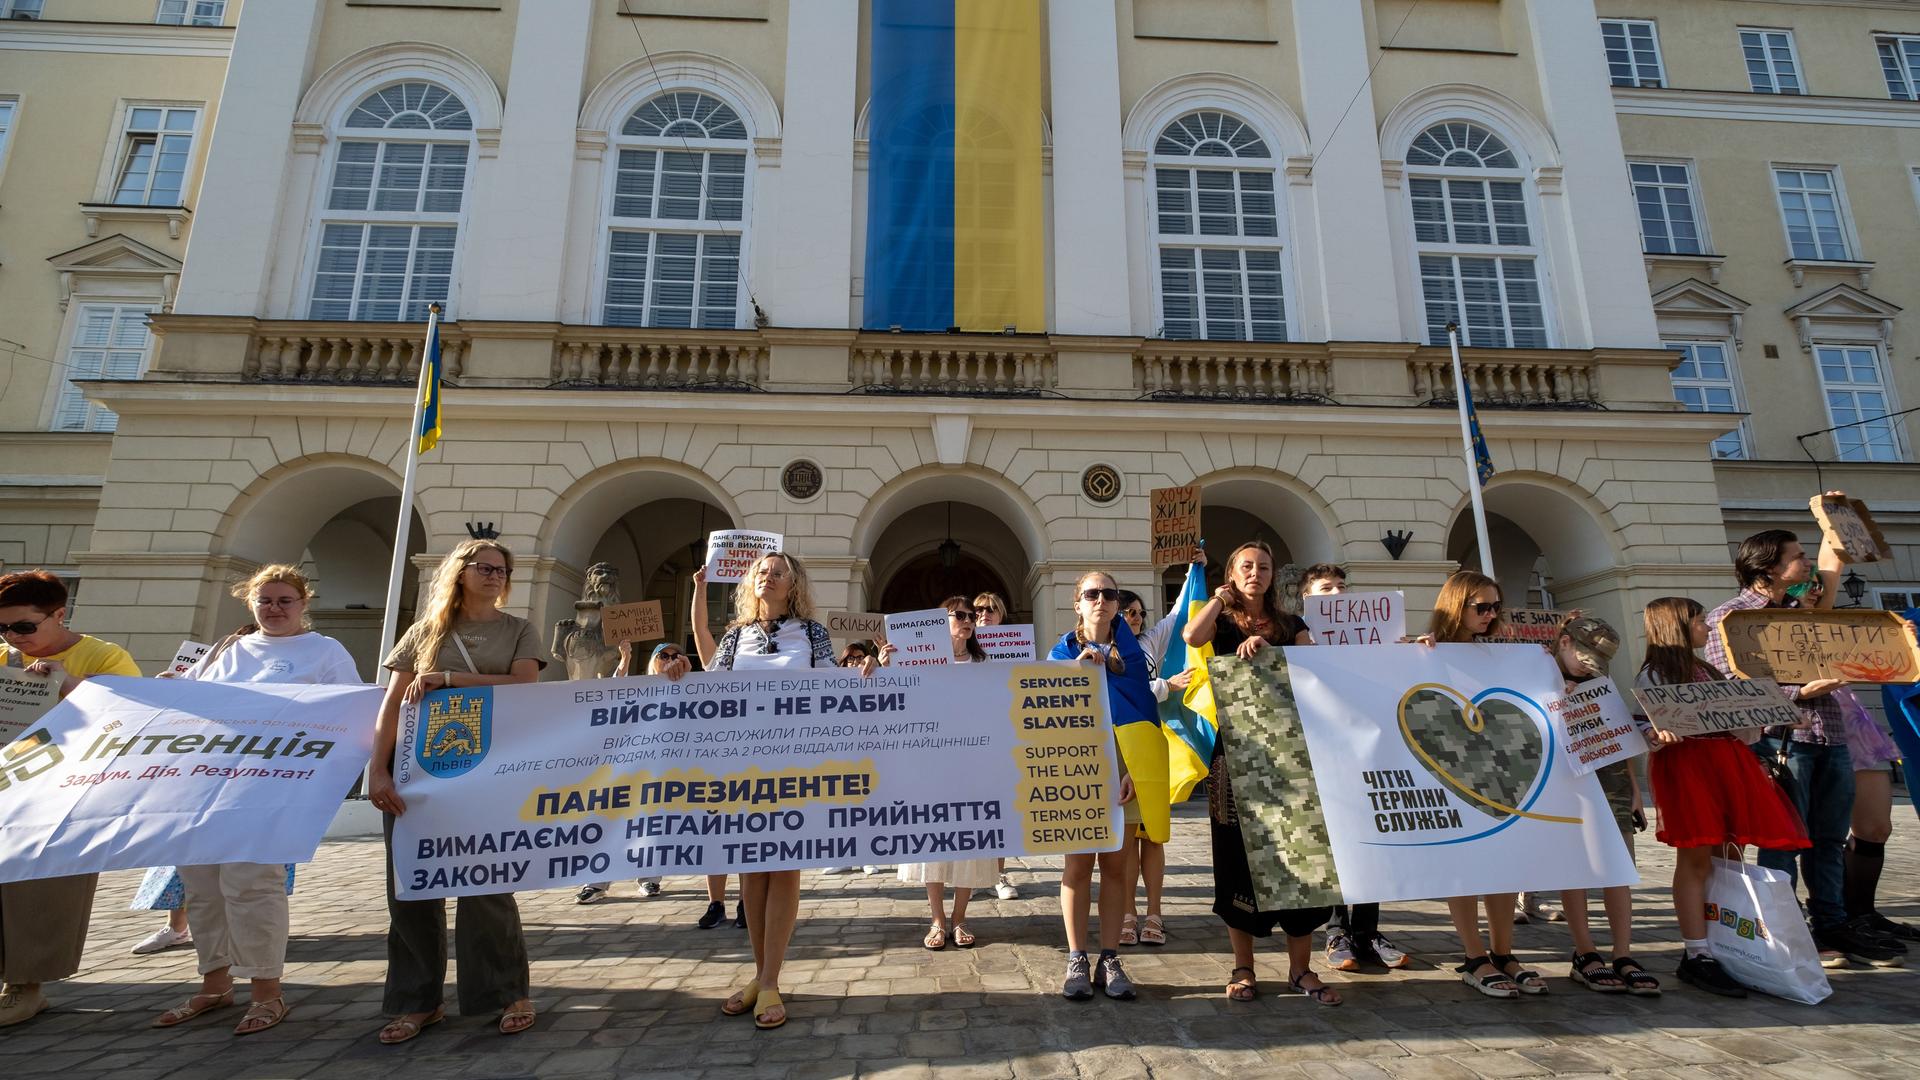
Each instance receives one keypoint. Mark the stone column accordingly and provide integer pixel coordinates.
(808, 250)
(1089, 245)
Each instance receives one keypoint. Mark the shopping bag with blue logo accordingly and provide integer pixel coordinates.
(1758, 934)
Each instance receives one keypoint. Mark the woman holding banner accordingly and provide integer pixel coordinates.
(990, 609)
(1244, 617)
(1100, 637)
(1146, 859)
(43, 922)
(240, 909)
(463, 640)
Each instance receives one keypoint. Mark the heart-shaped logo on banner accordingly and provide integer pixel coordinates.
(1491, 754)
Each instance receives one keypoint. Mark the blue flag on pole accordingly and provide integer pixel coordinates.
(1482, 461)
(429, 433)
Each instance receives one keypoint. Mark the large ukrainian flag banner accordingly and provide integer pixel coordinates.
(1188, 720)
(954, 231)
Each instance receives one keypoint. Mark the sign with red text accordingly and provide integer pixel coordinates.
(1531, 626)
(1356, 618)
(1717, 707)
(1796, 646)
(184, 657)
(920, 638)
(1175, 526)
(1006, 642)
(1598, 726)
(640, 621)
(732, 552)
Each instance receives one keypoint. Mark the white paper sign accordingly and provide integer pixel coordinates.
(920, 638)
(1356, 618)
(1597, 725)
(184, 657)
(732, 552)
(1006, 642)
(24, 699)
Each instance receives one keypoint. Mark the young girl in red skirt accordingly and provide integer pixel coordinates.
(1710, 789)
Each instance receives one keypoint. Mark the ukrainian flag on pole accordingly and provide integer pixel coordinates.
(1188, 720)
(429, 430)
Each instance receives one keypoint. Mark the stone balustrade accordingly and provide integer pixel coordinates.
(1233, 371)
(952, 365)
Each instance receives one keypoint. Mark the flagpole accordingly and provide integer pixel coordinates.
(390, 615)
(1466, 448)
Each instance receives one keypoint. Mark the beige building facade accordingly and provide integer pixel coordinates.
(1390, 167)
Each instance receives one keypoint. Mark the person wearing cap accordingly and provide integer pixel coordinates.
(1584, 650)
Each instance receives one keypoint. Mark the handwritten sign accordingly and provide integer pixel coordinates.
(1006, 642)
(920, 638)
(1176, 525)
(1356, 618)
(1796, 646)
(1713, 708)
(184, 657)
(1850, 529)
(732, 552)
(1598, 726)
(1529, 626)
(24, 698)
(640, 621)
(857, 626)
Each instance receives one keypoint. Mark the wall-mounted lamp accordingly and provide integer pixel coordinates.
(482, 530)
(1396, 542)
(1854, 586)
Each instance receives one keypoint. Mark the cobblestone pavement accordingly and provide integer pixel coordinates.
(631, 987)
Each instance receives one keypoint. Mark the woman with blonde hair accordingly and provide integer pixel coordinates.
(239, 910)
(989, 609)
(463, 639)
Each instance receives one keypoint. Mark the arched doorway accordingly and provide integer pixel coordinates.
(1239, 507)
(926, 581)
(1551, 549)
(655, 548)
(948, 548)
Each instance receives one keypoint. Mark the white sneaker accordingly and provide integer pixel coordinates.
(1384, 951)
(1340, 952)
(163, 939)
(836, 870)
(1004, 889)
(871, 869)
(650, 887)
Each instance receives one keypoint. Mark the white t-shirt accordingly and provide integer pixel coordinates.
(298, 658)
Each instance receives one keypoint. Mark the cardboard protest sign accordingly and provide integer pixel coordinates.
(24, 699)
(1356, 618)
(730, 552)
(1712, 708)
(1796, 646)
(1175, 525)
(1597, 725)
(184, 657)
(1006, 642)
(920, 638)
(1529, 626)
(857, 626)
(1850, 529)
(640, 621)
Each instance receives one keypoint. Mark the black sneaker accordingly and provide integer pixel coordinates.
(1886, 927)
(1706, 973)
(1860, 947)
(740, 915)
(716, 911)
(1112, 978)
(1079, 983)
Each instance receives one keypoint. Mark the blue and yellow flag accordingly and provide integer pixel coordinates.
(954, 230)
(1482, 461)
(1188, 721)
(429, 433)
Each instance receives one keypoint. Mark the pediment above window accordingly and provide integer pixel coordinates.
(117, 265)
(1693, 308)
(1843, 313)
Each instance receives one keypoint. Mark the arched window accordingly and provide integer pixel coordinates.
(676, 215)
(1479, 258)
(1217, 231)
(392, 209)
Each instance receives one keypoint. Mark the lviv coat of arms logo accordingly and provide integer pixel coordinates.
(456, 730)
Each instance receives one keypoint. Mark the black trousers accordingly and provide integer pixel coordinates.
(489, 948)
(1361, 921)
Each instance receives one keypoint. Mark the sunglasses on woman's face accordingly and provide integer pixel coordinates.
(1100, 594)
(23, 627)
(671, 656)
(963, 616)
(1487, 609)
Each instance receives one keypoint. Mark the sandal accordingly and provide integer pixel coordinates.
(262, 1015)
(180, 1014)
(962, 936)
(1153, 931)
(1603, 980)
(769, 1001)
(1494, 984)
(746, 996)
(1129, 931)
(1242, 989)
(400, 1029)
(935, 940)
(516, 1020)
(1529, 982)
(1321, 995)
(1639, 981)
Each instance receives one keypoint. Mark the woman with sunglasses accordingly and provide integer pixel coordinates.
(43, 923)
(1243, 618)
(670, 660)
(1100, 637)
(989, 609)
(464, 639)
(1145, 858)
(239, 910)
(964, 875)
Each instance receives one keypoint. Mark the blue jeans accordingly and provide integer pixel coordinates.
(1823, 793)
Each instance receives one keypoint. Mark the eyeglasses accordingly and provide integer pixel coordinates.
(963, 616)
(488, 570)
(1100, 594)
(23, 628)
(280, 602)
(1134, 613)
(668, 655)
(852, 661)
(1487, 609)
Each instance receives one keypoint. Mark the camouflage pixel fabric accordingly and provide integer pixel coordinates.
(1289, 853)
(1500, 762)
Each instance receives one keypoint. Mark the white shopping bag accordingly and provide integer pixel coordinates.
(1758, 934)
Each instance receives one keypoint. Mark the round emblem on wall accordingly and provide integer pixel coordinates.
(801, 480)
(1100, 483)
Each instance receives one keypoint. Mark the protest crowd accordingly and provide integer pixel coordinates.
(1810, 800)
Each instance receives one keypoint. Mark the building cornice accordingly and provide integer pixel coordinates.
(1765, 108)
(46, 35)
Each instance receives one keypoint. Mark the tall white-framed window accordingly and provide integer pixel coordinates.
(677, 215)
(1665, 194)
(1478, 254)
(1217, 231)
(1705, 381)
(1855, 385)
(109, 342)
(21, 9)
(155, 149)
(393, 207)
(1812, 213)
(1898, 598)
(1773, 66)
(9, 112)
(1900, 63)
(191, 12)
(1633, 52)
